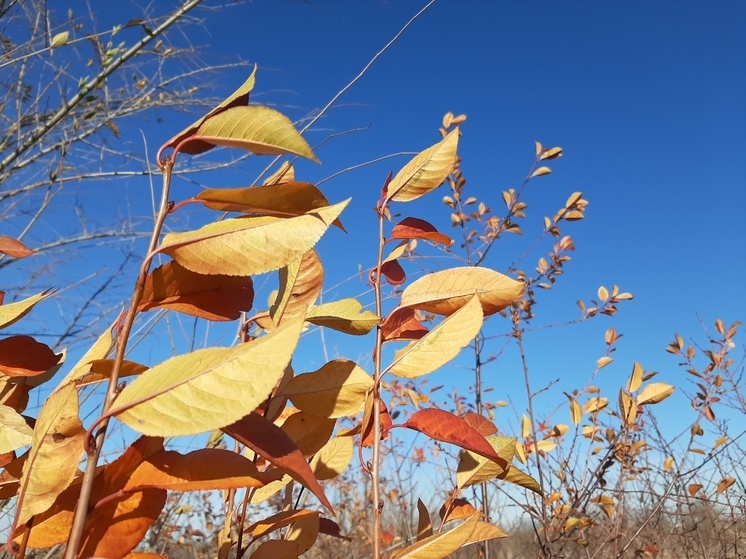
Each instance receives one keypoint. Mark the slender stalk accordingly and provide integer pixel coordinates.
(375, 467)
(94, 450)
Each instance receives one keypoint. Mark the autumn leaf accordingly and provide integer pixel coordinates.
(304, 531)
(272, 443)
(248, 246)
(440, 545)
(485, 531)
(276, 521)
(308, 432)
(426, 171)
(402, 324)
(15, 311)
(255, 128)
(335, 390)
(207, 389)
(636, 378)
(446, 291)
(14, 431)
(475, 468)
(413, 228)
(300, 285)
(276, 549)
(212, 297)
(424, 526)
(333, 458)
(654, 392)
(237, 98)
(199, 470)
(288, 199)
(460, 508)
(100, 349)
(101, 369)
(56, 449)
(448, 428)
(14, 248)
(480, 423)
(23, 356)
(441, 344)
(345, 315)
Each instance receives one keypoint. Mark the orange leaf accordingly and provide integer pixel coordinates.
(213, 297)
(460, 508)
(309, 432)
(14, 248)
(402, 324)
(413, 228)
(368, 425)
(276, 521)
(23, 356)
(268, 440)
(480, 423)
(446, 427)
(200, 470)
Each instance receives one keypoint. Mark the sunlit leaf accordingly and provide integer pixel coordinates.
(15, 311)
(636, 378)
(276, 521)
(237, 98)
(286, 173)
(485, 531)
(441, 344)
(576, 412)
(14, 248)
(333, 458)
(207, 389)
(346, 316)
(654, 392)
(101, 349)
(289, 199)
(446, 291)
(276, 549)
(300, 285)
(60, 39)
(440, 545)
(309, 432)
(475, 468)
(269, 441)
(460, 508)
(413, 228)
(336, 389)
(23, 356)
(248, 246)
(199, 470)
(56, 449)
(402, 324)
(603, 361)
(426, 171)
(254, 128)
(304, 531)
(724, 484)
(480, 423)
(14, 431)
(101, 369)
(445, 427)
(213, 297)
(424, 526)
(541, 171)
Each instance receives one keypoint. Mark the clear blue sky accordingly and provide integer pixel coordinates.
(648, 100)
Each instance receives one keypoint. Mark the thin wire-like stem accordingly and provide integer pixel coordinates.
(94, 450)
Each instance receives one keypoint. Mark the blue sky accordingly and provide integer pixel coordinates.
(648, 101)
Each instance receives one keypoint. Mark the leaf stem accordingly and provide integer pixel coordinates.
(94, 451)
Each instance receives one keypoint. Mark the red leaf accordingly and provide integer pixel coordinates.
(480, 423)
(393, 272)
(402, 324)
(214, 297)
(448, 428)
(367, 428)
(331, 528)
(14, 248)
(413, 228)
(23, 356)
(268, 440)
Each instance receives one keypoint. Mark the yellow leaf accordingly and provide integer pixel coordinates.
(525, 427)
(446, 291)
(15, 311)
(551, 153)
(60, 39)
(333, 458)
(441, 344)
(474, 468)
(654, 392)
(248, 246)
(263, 493)
(603, 293)
(668, 464)
(603, 361)
(635, 379)
(99, 350)
(485, 531)
(627, 407)
(576, 412)
(300, 284)
(725, 483)
(538, 147)
(541, 171)
(206, 389)
(286, 173)
(426, 171)
(440, 545)
(257, 129)
(720, 441)
(14, 431)
(336, 389)
(345, 316)
(545, 446)
(304, 531)
(694, 488)
(522, 479)
(56, 449)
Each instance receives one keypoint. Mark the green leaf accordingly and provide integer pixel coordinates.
(441, 344)
(345, 316)
(426, 171)
(254, 128)
(248, 246)
(446, 291)
(207, 389)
